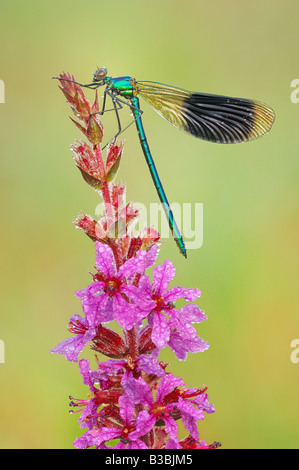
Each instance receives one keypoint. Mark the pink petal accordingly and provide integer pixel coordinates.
(163, 274)
(105, 260)
(167, 384)
(151, 255)
(144, 423)
(181, 346)
(190, 416)
(133, 266)
(125, 313)
(192, 313)
(145, 285)
(160, 333)
(149, 364)
(172, 444)
(171, 427)
(137, 390)
(179, 323)
(181, 292)
(126, 409)
(70, 347)
(143, 303)
(106, 434)
(84, 368)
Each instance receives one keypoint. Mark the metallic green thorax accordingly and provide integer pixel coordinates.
(123, 86)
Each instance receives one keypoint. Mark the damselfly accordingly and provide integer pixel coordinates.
(214, 118)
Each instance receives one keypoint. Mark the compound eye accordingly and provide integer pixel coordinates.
(100, 74)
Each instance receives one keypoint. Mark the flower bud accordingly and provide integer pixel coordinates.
(87, 162)
(94, 131)
(117, 196)
(145, 343)
(75, 95)
(113, 160)
(109, 343)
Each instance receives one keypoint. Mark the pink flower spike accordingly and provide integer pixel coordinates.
(133, 401)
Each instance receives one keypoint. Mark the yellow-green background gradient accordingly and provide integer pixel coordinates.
(247, 266)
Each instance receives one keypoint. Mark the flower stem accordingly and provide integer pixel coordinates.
(132, 340)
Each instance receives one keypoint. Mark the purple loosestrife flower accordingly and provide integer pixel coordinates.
(112, 295)
(171, 403)
(176, 331)
(133, 401)
(129, 431)
(85, 331)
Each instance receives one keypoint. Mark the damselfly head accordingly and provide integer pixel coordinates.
(100, 74)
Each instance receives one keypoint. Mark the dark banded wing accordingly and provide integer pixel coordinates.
(214, 118)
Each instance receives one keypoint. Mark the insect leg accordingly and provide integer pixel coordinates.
(91, 86)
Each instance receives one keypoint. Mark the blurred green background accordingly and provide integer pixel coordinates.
(247, 267)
